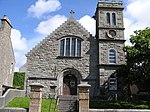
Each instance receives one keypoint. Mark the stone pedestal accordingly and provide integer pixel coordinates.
(83, 95)
(35, 97)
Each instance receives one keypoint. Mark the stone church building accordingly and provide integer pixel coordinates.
(7, 59)
(70, 55)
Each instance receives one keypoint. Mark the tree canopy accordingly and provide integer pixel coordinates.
(137, 68)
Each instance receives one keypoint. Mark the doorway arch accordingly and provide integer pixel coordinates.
(71, 78)
(69, 85)
(63, 75)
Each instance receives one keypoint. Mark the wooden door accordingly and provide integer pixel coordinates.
(70, 85)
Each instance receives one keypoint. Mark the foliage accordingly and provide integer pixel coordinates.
(137, 68)
(18, 81)
(141, 97)
(24, 103)
(119, 105)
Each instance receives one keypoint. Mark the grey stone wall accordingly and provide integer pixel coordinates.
(106, 42)
(9, 95)
(119, 34)
(7, 59)
(12, 110)
(104, 48)
(44, 61)
(110, 7)
(47, 91)
(93, 78)
(105, 73)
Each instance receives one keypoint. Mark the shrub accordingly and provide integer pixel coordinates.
(119, 105)
(18, 81)
(142, 97)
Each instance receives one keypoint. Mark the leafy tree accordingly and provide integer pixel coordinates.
(137, 68)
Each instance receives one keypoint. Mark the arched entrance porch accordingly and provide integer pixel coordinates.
(68, 81)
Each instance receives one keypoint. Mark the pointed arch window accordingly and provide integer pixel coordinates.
(70, 47)
(113, 18)
(112, 56)
(108, 18)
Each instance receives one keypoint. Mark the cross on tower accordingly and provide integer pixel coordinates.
(72, 12)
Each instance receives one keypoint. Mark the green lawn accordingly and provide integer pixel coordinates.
(24, 103)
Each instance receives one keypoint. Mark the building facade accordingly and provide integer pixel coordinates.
(70, 55)
(7, 59)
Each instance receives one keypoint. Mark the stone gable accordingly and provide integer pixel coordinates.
(44, 60)
(45, 56)
(69, 28)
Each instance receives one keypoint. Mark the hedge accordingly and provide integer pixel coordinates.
(18, 81)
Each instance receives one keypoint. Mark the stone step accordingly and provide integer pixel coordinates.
(67, 106)
(69, 110)
(67, 97)
(67, 103)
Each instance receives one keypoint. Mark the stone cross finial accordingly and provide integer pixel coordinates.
(72, 12)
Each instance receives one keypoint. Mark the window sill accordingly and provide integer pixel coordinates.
(69, 57)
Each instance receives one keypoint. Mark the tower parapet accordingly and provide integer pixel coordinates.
(110, 4)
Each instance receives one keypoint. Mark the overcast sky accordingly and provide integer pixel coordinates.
(33, 20)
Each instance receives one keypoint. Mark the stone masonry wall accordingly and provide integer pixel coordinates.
(107, 42)
(93, 78)
(105, 74)
(119, 18)
(44, 61)
(104, 52)
(113, 8)
(7, 59)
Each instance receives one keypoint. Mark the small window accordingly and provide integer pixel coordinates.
(62, 46)
(113, 18)
(112, 56)
(70, 46)
(67, 47)
(108, 18)
(73, 47)
(78, 47)
(112, 83)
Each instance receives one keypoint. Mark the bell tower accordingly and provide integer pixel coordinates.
(110, 37)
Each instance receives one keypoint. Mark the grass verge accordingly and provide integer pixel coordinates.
(48, 105)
